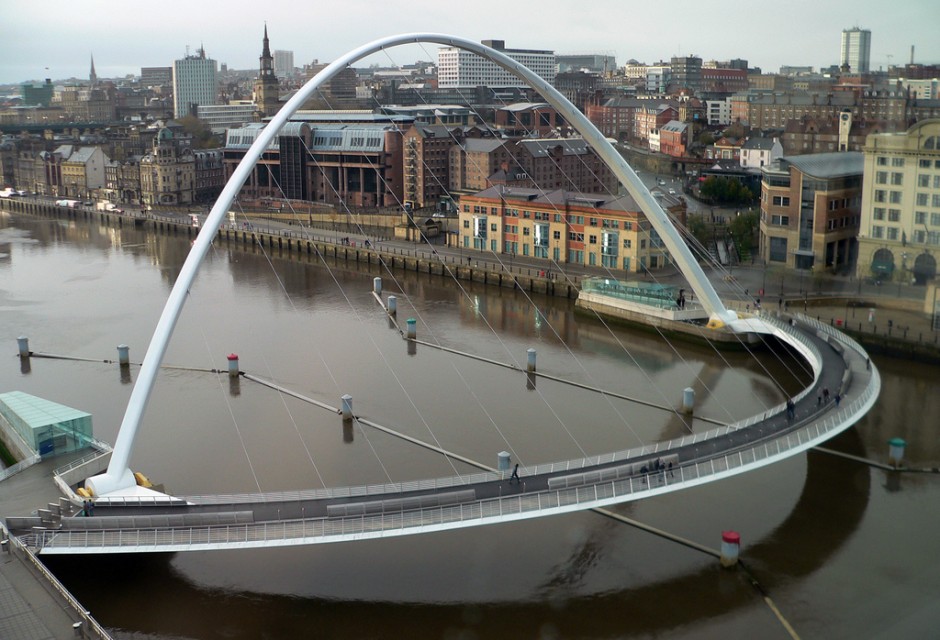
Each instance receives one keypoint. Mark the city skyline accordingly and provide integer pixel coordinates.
(35, 46)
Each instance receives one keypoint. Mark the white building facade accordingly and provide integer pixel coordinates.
(899, 238)
(194, 83)
(856, 49)
(283, 63)
(459, 69)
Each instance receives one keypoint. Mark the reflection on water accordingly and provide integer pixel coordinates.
(808, 524)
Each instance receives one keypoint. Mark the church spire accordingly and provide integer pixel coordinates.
(267, 60)
(92, 76)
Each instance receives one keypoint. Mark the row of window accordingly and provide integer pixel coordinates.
(553, 217)
(881, 177)
(879, 232)
(882, 161)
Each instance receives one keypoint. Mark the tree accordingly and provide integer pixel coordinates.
(744, 228)
(203, 138)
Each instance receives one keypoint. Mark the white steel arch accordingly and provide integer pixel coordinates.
(119, 477)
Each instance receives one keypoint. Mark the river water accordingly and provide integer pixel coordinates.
(842, 549)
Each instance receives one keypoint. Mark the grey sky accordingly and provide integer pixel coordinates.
(63, 34)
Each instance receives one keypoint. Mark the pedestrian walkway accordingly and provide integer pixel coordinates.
(33, 603)
(32, 607)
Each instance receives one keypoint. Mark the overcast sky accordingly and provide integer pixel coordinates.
(55, 38)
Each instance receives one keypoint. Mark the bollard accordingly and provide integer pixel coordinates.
(78, 629)
(232, 365)
(503, 461)
(688, 400)
(896, 451)
(392, 305)
(123, 355)
(730, 546)
(377, 285)
(530, 364)
(22, 344)
(347, 407)
(412, 328)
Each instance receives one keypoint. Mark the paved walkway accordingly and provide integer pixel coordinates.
(30, 606)
(28, 611)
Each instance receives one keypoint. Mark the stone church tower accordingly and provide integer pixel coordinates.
(266, 86)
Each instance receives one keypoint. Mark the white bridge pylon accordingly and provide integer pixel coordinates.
(119, 479)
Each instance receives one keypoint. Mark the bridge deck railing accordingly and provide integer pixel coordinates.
(439, 517)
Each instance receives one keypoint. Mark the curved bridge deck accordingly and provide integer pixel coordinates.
(353, 513)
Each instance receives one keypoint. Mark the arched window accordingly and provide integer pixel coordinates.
(931, 143)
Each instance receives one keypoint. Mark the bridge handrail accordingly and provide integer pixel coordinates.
(101, 448)
(693, 472)
(77, 607)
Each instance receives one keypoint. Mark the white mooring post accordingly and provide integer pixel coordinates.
(124, 356)
(377, 286)
(232, 365)
(730, 547)
(530, 359)
(412, 328)
(22, 344)
(392, 307)
(688, 400)
(347, 406)
(896, 451)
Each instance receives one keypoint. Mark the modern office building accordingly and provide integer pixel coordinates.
(283, 63)
(810, 210)
(194, 83)
(459, 69)
(856, 50)
(900, 228)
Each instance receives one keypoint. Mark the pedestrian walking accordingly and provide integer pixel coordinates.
(515, 475)
(826, 394)
(818, 399)
(838, 399)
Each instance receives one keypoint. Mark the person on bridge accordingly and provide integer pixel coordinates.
(515, 475)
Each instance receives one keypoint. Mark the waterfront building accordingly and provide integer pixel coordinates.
(427, 162)
(194, 83)
(83, 172)
(856, 50)
(900, 217)
(168, 172)
(810, 210)
(356, 164)
(565, 227)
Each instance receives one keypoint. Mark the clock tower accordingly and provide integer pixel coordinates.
(267, 96)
